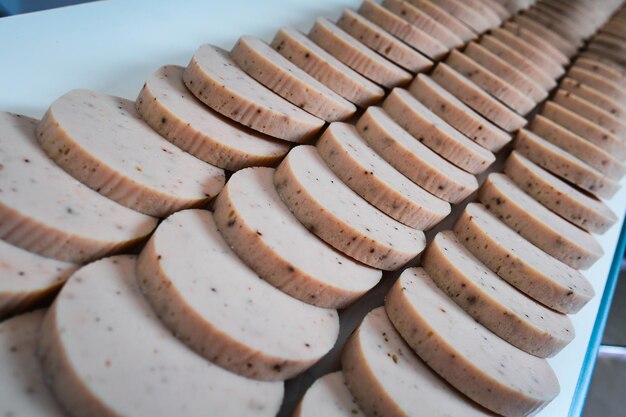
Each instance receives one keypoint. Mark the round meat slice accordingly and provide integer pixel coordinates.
(401, 29)
(45, 211)
(277, 73)
(537, 41)
(520, 263)
(413, 159)
(579, 208)
(374, 179)
(610, 88)
(105, 352)
(169, 108)
(537, 224)
(518, 60)
(28, 279)
(471, 17)
(594, 96)
(490, 82)
(445, 19)
(494, 303)
(475, 97)
(457, 114)
(258, 226)
(471, 358)
(585, 129)
(339, 216)
(593, 155)
(102, 142)
(602, 69)
(325, 68)
(329, 396)
(424, 22)
(221, 308)
(506, 71)
(568, 47)
(357, 56)
(382, 42)
(432, 131)
(214, 78)
(388, 379)
(23, 391)
(564, 165)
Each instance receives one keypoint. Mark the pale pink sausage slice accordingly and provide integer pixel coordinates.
(612, 89)
(594, 96)
(475, 97)
(23, 391)
(566, 46)
(466, 14)
(493, 302)
(413, 159)
(585, 129)
(423, 21)
(129, 362)
(400, 28)
(537, 41)
(102, 141)
(356, 55)
(381, 41)
(169, 108)
(258, 226)
(490, 82)
(564, 165)
(214, 78)
(374, 179)
(46, 211)
(277, 73)
(388, 379)
(339, 216)
(543, 228)
(596, 157)
(435, 133)
(520, 263)
(578, 208)
(484, 9)
(458, 114)
(325, 68)
(28, 279)
(506, 71)
(445, 19)
(329, 396)
(601, 68)
(471, 358)
(181, 272)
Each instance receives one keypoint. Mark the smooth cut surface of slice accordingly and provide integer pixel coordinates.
(129, 361)
(413, 159)
(378, 182)
(214, 78)
(357, 56)
(28, 279)
(232, 322)
(471, 358)
(458, 114)
(325, 68)
(612, 89)
(388, 379)
(435, 133)
(537, 41)
(381, 41)
(564, 165)
(490, 82)
(280, 75)
(466, 14)
(520, 263)
(169, 108)
(339, 216)
(328, 396)
(493, 302)
(475, 97)
(574, 206)
(582, 149)
(23, 391)
(258, 226)
(445, 19)
(594, 96)
(102, 141)
(60, 217)
(543, 228)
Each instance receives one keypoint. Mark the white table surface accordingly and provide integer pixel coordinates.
(112, 46)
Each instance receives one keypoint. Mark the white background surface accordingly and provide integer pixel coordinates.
(112, 46)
